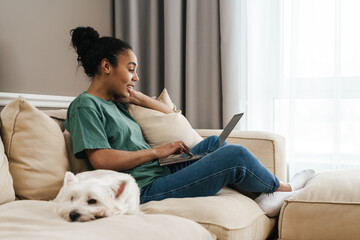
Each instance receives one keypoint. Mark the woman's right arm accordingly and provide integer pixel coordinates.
(119, 160)
(143, 100)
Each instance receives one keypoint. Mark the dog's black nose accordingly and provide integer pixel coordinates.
(74, 215)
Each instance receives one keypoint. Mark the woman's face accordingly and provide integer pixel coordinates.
(124, 76)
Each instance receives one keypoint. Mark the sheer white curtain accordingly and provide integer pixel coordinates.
(303, 78)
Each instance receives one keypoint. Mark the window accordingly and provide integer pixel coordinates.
(317, 105)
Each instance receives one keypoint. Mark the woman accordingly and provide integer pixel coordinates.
(103, 132)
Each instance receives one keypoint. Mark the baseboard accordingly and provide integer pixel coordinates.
(38, 100)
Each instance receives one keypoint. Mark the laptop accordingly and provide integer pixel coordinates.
(223, 136)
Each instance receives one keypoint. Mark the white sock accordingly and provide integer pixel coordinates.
(301, 178)
(271, 203)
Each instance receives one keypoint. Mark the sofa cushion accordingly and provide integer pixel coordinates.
(58, 115)
(327, 208)
(159, 128)
(76, 165)
(30, 219)
(229, 215)
(6, 181)
(36, 150)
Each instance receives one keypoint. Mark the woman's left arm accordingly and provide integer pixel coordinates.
(143, 100)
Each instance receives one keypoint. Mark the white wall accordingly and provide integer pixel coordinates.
(35, 52)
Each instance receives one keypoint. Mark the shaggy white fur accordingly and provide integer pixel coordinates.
(96, 194)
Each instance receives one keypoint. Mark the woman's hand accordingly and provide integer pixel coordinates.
(143, 100)
(132, 98)
(172, 148)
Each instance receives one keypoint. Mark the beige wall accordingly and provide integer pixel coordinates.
(35, 52)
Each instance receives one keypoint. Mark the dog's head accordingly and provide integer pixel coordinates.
(88, 199)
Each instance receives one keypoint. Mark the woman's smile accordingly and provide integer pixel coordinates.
(131, 87)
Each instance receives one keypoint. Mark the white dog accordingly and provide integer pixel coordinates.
(97, 194)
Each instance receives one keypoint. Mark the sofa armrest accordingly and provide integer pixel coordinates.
(268, 147)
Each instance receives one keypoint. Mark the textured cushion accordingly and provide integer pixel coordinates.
(160, 128)
(6, 181)
(76, 165)
(327, 208)
(36, 150)
(229, 215)
(35, 220)
(58, 115)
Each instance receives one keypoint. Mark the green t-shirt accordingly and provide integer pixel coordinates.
(98, 124)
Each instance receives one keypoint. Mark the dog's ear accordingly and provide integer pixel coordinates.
(120, 189)
(69, 178)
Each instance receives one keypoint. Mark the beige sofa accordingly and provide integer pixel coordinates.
(35, 152)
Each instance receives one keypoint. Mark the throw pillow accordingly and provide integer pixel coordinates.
(160, 128)
(76, 165)
(6, 181)
(36, 150)
(58, 115)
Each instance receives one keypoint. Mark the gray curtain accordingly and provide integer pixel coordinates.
(178, 46)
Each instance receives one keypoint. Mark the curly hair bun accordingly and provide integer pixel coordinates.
(82, 38)
(92, 49)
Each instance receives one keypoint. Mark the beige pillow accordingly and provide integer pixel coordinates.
(6, 181)
(76, 165)
(36, 150)
(160, 128)
(58, 115)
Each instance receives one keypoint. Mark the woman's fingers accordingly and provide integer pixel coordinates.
(184, 148)
(187, 149)
(172, 148)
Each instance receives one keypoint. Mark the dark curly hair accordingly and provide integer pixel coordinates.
(92, 49)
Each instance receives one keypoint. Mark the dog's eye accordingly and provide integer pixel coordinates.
(91, 201)
(72, 198)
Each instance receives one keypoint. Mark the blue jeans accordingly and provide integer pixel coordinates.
(224, 165)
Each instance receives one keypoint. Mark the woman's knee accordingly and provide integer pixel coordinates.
(237, 149)
(214, 142)
(236, 154)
